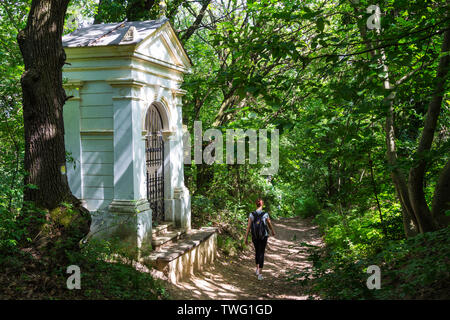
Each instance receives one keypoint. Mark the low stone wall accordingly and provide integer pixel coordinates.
(188, 256)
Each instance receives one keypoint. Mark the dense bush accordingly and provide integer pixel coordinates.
(308, 207)
(417, 268)
(105, 274)
(107, 270)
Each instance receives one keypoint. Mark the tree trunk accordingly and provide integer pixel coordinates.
(410, 224)
(43, 99)
(375, 192)
(417, 172)
(441, 199)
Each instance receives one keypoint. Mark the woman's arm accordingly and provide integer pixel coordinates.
(270, 226)
(248, 229)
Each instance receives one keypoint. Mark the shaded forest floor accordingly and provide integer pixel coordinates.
(416, 268)
(233, 277)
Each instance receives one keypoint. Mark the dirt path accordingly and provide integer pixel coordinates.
(234, 277)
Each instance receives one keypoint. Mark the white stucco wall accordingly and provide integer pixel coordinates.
(104, 128)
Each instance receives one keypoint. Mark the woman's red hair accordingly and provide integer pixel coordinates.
(259, 202)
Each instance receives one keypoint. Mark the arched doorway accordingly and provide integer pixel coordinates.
(154, 153)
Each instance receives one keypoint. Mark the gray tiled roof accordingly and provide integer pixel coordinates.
(110, 33)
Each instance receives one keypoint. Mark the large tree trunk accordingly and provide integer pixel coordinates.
(43, 99)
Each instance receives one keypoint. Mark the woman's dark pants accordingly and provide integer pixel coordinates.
(260, 247)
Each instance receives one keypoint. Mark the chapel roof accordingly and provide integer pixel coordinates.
(108, 34)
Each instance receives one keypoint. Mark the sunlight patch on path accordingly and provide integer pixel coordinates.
(234, 277)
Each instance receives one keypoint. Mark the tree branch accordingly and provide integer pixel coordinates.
(189, 32)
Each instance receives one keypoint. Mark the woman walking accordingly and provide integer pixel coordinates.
(257, 222)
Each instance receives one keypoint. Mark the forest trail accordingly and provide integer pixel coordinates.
(234, 277)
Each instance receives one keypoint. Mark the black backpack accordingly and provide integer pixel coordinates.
(258, 226)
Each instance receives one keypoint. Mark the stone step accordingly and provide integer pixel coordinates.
(163, 239)
(190, 254)
(162, 228)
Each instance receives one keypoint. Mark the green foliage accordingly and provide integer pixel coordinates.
(308, 207)
(229, 246)
(108, 270)
(108, 273)
(112, 11)
(9, 235)
(304, 68)
(134, 10)
(79, 13)
(416, 268)
(104, 275)
(11, 119)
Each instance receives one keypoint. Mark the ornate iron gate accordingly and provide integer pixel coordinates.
(154, 149)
